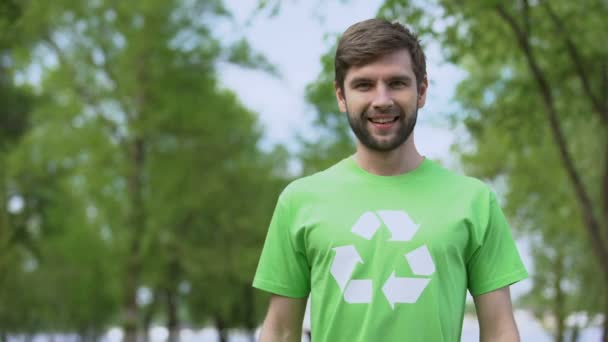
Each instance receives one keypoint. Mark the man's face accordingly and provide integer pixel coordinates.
(381, 100)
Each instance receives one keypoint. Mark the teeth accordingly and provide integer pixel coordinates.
(383, 120)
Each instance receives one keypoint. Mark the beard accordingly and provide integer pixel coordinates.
(406, 123)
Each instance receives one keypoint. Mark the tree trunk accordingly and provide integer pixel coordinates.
(5, 230)
(574, 333)
(85, 335)
(605, 193)
(592, 224)
(249, 303)
(136, 225)
(172, 296)
(95, 335)
(221, 329)
(558, 303)
(605, 328)
(149, 314)
(3, 202)
(130, 303)
(172, 319)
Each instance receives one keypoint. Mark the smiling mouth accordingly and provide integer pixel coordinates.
(383, 120)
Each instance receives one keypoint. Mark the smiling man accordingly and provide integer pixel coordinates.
(386, 242)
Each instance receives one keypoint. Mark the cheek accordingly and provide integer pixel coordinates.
(409, 101)
(357, 102)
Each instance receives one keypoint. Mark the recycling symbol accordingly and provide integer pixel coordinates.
(395, 289)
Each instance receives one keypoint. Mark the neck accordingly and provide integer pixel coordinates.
(403, 159)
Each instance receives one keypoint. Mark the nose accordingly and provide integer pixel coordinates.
(382, 100)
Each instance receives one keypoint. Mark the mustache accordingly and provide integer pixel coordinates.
(392, 111)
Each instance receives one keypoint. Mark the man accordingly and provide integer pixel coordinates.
(386, 242)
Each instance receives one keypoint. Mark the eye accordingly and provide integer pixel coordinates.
(398, 84)
(363, 86)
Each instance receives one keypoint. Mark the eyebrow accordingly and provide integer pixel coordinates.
(404, 78)
(356, 80)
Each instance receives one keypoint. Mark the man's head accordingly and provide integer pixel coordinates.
(380, 82)
(370, 39)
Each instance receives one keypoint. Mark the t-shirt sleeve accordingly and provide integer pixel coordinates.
(283, 268)
(495, 263)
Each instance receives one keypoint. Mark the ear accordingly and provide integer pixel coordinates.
(424, 86)
(340, 97)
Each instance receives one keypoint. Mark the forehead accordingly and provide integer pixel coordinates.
(398, 63)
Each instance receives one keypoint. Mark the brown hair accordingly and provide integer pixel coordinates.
(370, 39)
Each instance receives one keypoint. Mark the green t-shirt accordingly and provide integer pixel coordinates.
(387, 258)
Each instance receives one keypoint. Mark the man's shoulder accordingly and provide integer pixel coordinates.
(315, 183)
(457, 181)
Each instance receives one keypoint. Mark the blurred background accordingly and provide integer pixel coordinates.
(143, 145)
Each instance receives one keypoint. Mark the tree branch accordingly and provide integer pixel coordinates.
(605, 82)
(81, 90)
(605, 186)
(601, 109)
(592, 224)
(526, 17)
(63, 61)
(103, 47)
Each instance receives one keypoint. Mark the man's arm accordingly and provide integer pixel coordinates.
(283, 321)
(495, 315)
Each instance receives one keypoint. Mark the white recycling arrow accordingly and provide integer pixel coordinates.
(403, 290)
(400, 224)
(395, 289)
(367, 225)
(420, 261)
(358, 291)
(344, 264)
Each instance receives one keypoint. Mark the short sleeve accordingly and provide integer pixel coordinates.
(495, 263)
(283, 268)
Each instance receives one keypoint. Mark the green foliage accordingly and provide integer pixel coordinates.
(505, 112)
(334, 141)
(241, 53)
(136, 169)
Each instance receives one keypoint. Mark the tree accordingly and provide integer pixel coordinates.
(533, 59)
(335, 140)
(534, 55)
(236, 228)
(67, 249)
(131, 90)
(15, 243)
(564, 269)
(16, 103)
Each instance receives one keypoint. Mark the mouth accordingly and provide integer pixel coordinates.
(383, 122)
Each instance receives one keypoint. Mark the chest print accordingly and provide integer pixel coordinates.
(395, 289)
